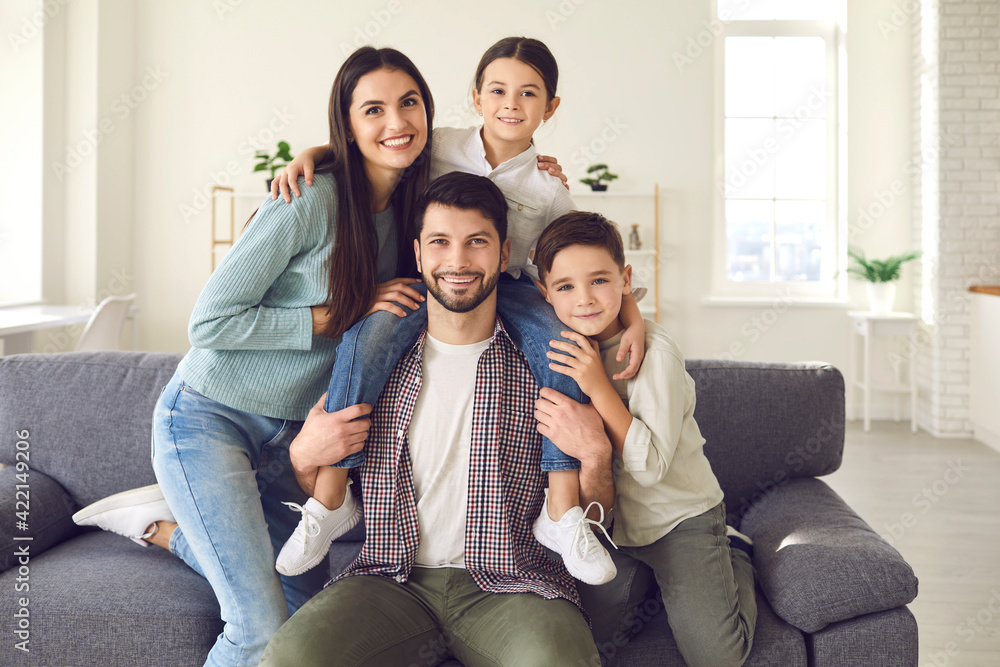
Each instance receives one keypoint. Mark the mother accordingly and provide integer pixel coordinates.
(264, 335)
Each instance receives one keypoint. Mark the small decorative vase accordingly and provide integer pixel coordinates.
(634, 242)
(881, 297)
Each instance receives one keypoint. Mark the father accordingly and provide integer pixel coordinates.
(451, 482)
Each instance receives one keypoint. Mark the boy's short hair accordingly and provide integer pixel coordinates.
(578, 228)
(466, 192)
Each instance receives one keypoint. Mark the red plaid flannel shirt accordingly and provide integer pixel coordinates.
(505, 481)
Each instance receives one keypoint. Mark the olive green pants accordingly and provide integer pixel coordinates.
(436, 615)
(707, 593)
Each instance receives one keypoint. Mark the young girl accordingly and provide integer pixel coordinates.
(263, 347)
(515, 86)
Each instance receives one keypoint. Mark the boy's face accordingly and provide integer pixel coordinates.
(586, 287)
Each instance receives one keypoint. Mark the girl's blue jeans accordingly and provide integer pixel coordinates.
(369, 351)
(224, 474)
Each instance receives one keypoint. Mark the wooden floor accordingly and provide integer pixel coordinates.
(938, 502)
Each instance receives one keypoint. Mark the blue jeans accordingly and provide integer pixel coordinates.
(224, 473)
(368, 353)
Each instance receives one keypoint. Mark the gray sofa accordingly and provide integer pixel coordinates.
(830, 590)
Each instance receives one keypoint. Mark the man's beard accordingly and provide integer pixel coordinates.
(466, 301)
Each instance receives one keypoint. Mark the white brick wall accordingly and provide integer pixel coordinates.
(956, 71)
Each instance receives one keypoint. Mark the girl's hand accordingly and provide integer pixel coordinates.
(633, 344)
(582, 362)
(321, 317)
(545, 163)
(288, 177)
(395, 292)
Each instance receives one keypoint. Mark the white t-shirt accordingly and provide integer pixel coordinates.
(534, 197)
(439, 438)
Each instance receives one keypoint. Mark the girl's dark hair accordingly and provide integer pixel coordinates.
(354, 259)
(529, 51)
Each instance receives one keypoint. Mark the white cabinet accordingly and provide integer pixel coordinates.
(627, 209)
(984, 381)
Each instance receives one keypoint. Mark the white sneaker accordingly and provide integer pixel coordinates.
(128, 513)
(572, 538)
(317, 528)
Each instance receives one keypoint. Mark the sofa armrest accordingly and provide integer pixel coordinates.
(44, 507)
(818, 562)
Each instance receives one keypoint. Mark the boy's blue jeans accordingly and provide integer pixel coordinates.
(369, 351)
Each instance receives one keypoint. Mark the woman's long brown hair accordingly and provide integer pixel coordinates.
(354, 259)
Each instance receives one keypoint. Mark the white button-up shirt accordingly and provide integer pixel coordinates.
(534, 197)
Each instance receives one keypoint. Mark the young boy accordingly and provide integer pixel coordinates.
(668, 512)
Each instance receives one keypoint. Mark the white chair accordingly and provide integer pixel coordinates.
(105, 325)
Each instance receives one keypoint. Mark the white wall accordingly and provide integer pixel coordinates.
(961, 199)
(230, 71)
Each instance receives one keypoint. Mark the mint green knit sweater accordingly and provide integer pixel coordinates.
(251, 330)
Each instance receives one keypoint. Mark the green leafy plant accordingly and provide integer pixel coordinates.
(271, 162)
(878, 270)
(601, 177)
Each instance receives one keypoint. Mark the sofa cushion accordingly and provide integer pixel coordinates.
(765, 424)
(775, 642)
(99, 599)
(818, 562)
(886, 639)
(47, 515)
(88, 415)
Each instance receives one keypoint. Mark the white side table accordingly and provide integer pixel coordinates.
(868, 326)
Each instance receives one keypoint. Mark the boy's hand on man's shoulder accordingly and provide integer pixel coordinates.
(633, 344)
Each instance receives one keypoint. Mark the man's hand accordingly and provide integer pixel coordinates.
(327, 437)
(578, 430)
(575, 428)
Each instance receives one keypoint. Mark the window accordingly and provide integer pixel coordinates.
(778, 125)
(21, 169)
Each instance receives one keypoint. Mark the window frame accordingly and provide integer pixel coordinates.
(832, 286)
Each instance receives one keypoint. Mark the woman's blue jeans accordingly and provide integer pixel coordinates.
(368, 353)
(224, 474)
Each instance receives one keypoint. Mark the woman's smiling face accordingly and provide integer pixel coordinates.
(388, 120)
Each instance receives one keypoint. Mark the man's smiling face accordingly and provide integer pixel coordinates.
(460, 257)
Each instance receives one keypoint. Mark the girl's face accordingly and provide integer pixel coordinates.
(388, 121)
(513, 101)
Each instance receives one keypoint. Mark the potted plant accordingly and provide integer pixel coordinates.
(600, 179)
(271, 162)
(880, 275)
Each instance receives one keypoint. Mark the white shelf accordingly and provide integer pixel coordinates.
(609, 193)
